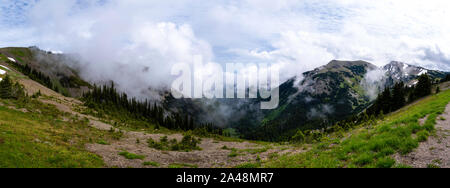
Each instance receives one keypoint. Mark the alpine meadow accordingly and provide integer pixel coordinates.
(240, 88)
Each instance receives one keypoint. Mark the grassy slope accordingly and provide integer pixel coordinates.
(40, 138)
(399, 132)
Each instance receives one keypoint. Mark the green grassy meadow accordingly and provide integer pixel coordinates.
(372, 147)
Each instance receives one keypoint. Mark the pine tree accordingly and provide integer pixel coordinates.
(411, 96)
(423, 87)
(17, 91)
(386, 100)
(398, 96)
(6, 88)
(438, 90)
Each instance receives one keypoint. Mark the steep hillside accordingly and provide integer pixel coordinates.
(45, 68)
(325, 95)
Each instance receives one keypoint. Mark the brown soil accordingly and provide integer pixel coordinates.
(435, 152)
(211, 155)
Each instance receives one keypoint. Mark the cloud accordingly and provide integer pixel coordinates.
(373, 82)
(117, 39)
(439, 59)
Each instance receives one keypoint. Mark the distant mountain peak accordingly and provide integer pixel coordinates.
(397, 71)
(342, 63)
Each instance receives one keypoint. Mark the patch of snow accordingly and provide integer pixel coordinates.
(414, 83)
(2, 72)
(405, 66)
(423, 72)
(5, 67)
(56, 52)
(11, 59)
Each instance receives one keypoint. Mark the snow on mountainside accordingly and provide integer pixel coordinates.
(402, 70)
(398, 71)
(12, 59)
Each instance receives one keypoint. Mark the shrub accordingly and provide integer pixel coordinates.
(131, 155)
(299, 137)
(422, 136)
(182, 165)
(102, 142)
(364, 159)
(433, 166)
(188, 143)
(385, 162)
(151, 163)
(249, 165)
(233, 153)
(156, 145)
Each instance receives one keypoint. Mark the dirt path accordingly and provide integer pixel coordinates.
(435, 152)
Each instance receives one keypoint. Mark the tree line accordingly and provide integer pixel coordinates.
(110, 100)
(392, 99)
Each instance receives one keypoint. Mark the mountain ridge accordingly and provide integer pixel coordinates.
(324, 95)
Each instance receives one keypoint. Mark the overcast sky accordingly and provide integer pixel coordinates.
(299, 35)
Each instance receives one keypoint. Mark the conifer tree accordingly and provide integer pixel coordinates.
(423, 87)
(18, 91)
(386, 100)
(6, 88)
(398, 96)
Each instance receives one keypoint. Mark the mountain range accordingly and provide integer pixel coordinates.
(315, 100)
(323, 96)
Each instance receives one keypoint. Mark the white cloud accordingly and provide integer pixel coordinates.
(128, 35)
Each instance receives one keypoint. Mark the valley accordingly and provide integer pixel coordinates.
(49, 128)
(104, 142)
